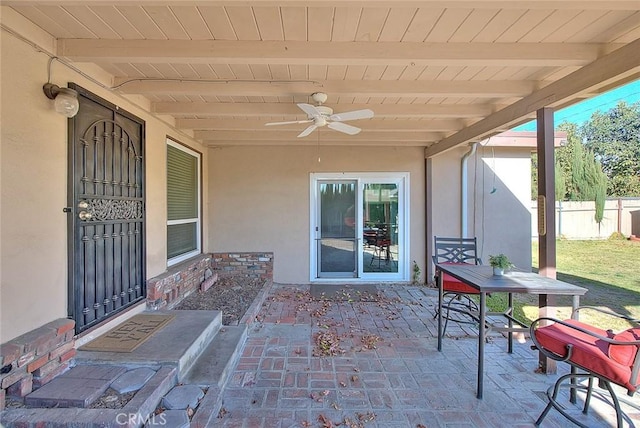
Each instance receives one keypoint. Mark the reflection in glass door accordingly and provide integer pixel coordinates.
(336, 237)
(380, 227)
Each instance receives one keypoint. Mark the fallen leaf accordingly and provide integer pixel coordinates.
(326, 423)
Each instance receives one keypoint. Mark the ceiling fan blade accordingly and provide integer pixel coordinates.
(291, 122)
(352, 115)
(309, 109)
(343, 127)
(307, 131)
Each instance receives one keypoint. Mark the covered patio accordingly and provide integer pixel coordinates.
(345, 358)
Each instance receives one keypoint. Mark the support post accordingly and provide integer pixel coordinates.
(546, 217)
(428, 226)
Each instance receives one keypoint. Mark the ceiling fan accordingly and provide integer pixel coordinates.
(320, 115)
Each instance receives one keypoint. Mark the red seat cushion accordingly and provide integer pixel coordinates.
(588, 352)
(625, 354)
(451, 284)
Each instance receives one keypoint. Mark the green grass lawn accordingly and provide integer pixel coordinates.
(609, 269)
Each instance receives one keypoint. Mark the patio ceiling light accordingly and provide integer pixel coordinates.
(66, 99)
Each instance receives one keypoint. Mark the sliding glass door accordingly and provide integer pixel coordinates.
(359, 227)
(336, 238)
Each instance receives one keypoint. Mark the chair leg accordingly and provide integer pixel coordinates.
(552, 394)
(616, 404)
(587, 399)
(466, 308)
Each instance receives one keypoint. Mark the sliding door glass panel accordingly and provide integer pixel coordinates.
(336, 239)
(380, 227)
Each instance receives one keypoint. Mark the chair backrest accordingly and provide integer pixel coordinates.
(455, 250)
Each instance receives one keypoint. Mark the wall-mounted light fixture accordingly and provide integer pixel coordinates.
(66, 99)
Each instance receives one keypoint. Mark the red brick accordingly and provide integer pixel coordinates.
(26, 358)
(207, 284)
(21, 388)
(12, 377)
(68, 355)
(153, 293)
(9, 352)
(50, 344)
(38, 381)
(34, 365)
(60, 350)
(49, 367)
(61, 325)
(35, 338)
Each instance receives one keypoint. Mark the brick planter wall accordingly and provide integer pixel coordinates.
(36, 357)
(250, 265)
(167, 290)
(200, 273)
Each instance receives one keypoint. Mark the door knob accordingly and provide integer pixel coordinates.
(84, 215)
(83, 205)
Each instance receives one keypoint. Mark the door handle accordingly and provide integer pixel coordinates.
(85, 215)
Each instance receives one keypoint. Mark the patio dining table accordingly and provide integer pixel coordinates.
(481, 278)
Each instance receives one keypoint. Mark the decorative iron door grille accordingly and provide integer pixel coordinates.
(106, 172)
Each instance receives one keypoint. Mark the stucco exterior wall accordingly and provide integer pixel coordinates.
(500, 219)
(33, 181)
(259, 198)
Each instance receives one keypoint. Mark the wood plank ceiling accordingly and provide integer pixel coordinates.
(436, 73)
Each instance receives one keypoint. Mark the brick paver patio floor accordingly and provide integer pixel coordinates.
(373, 362)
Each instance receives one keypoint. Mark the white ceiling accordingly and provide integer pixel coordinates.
(436, 73)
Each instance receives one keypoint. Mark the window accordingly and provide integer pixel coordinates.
(183, 203)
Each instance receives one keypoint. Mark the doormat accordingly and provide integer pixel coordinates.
(130, 334)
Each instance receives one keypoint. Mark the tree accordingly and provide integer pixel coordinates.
(578, 174)
(614, 137)
(561, 185)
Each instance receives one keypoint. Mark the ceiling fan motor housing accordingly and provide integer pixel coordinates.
(319, 97)
(325, 111)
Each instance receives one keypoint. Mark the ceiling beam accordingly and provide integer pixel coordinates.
(325, 135)
(615, 65)
(452, 4)
(290, 110)
(351, 88)
(440, 125)
(408, 54)
(345, 142)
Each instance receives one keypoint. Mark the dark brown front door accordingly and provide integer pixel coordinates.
(106, 218)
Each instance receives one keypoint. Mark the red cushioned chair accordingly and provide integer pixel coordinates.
(593, 353)
(457, 304)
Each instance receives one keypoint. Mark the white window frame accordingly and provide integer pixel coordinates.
(197, 220)
(362, 178)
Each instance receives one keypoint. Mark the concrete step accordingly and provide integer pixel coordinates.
(218, 359)
(193, 349)
(178, 344)
(133, 414)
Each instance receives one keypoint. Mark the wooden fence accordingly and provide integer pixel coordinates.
(576, 220)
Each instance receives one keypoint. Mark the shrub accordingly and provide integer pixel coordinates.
(617, 236)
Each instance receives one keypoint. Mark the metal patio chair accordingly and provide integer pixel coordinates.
(593, 354)
(382, 247)
(457, 305)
